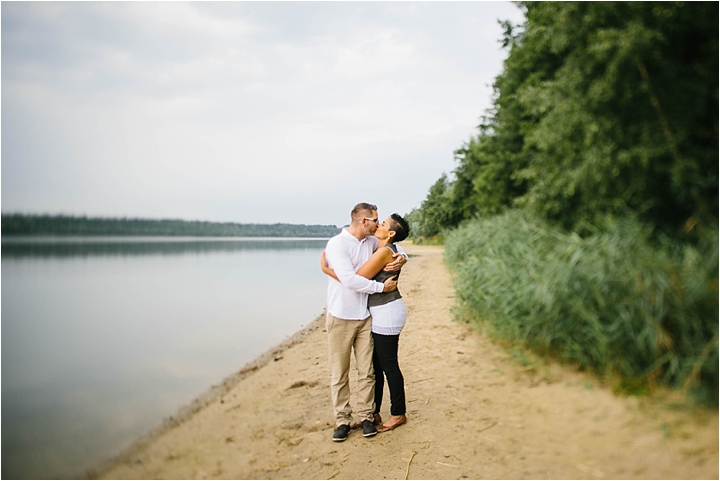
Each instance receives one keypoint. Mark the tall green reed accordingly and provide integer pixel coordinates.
(619, 301)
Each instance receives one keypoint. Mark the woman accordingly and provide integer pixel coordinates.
(388, 318)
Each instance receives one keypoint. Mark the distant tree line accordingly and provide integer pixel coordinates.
(63, 225)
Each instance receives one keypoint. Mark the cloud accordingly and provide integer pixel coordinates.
(187, 110)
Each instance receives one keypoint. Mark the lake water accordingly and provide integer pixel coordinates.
(104, 338)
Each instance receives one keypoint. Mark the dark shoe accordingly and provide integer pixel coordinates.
(341, 433)
(377, 419)
(368, 429)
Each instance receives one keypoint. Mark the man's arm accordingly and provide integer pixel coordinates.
(400, 259)
(388, 285)
(339, 261)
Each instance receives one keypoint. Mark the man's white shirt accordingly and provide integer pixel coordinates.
(345, 254)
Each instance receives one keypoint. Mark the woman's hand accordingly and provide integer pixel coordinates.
(326, 268)
(323, 261)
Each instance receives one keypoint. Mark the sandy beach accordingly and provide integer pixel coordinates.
(474, 412)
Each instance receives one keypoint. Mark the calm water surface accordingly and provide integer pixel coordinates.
(104, 338)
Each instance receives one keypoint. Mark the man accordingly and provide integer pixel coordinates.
(348, 320)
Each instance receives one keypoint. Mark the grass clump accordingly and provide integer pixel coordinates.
(436, 240)
(618, 302)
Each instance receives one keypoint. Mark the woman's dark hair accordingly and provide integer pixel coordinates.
(400, 227)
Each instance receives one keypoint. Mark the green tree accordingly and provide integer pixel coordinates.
(436, 214)
(602, 108)
(628, 118)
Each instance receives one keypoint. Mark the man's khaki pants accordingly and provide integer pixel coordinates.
(345, 336)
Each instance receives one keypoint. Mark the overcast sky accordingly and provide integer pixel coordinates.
(251, 112)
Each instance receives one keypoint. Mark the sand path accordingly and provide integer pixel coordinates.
(474, 412)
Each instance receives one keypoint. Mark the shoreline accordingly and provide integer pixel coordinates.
(212, 394)
(475, 409)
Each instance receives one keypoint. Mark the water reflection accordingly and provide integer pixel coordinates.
(103, 338)
(112, 246)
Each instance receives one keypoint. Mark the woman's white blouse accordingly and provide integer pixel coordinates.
(388, 319)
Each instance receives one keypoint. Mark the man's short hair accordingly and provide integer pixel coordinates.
(359, 210)
(400, 227)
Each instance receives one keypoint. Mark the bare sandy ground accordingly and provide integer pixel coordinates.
(474, 412)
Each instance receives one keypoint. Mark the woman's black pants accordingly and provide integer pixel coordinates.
(385, 360)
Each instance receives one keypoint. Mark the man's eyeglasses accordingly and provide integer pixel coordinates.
(374, 220)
